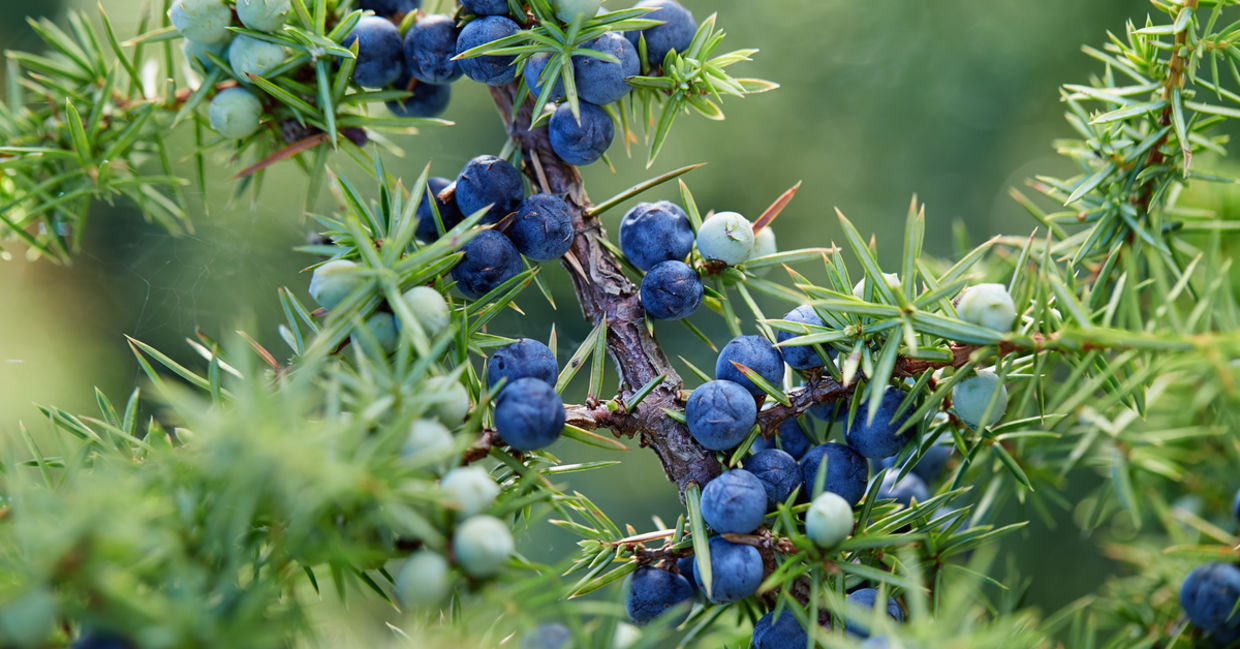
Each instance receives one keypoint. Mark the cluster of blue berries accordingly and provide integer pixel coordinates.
(540, 227)
(420, 62)
(657, 238)
(1210, 596)
(529, 414)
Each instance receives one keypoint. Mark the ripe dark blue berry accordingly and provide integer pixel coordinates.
(903, 491)
(379, 58)
(449, 215)
(735, 568)
(676, 32)
(101, 641)
(524, 359)
(529, 414)
(490, 260)
(1235, 506)
(671, 290)
(532, 73)
(429, 46)
(783, 632)
(650, 592)
(792, 439)
(390, 8)
(651, 233)
(802, 357)
(543, 227)
(879, 439)
(486, 7)
(580, 142)
(847, 471)
(720, 414)
(548, 636)
(1209, 595)
(734, 502)
(756, 353)
(931, 465)
(858, 623)
(489, 69)
(602, 82)
(685, 566)
(425, 100)
(488, 180)
(777, 471)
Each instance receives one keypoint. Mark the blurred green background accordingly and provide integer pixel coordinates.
(955, 100)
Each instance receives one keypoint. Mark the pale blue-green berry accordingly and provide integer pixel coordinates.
(332, 282)
(567, 10)
(472, 489)
(427, 437)
(726, 237)
(28, 620)
(988, 305)
(382, 326)
(548, 636)
(626, 634)
(482, 545)
(973, 396)
(828, 520)
(424, 580)
(429, 308)
(248, 55)
(196, 54)
(449, 401)
(264, 15)
(235, 113)
(893, 283)
(763, 243)
(204, 21)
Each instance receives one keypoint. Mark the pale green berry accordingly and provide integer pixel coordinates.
(382, 327)
(482, 544)
(424, 580)
(567, 10)
(334, 281)
(196, 54)
(429, 308)
(726, 237)
(27, 620)
(204, 21)
(472, 489)
(972, 398)
(264, 15)
(249, 55)
(988, 305)
(626, 634)
(893, 283)
(235, 113)
(828, 520)
(427, 437)
(763, 245)
(449, 400)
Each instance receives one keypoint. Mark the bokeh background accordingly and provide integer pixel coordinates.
(954, 100)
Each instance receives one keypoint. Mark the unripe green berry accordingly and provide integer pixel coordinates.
(726, 237)
(482, 545)
(449, 400)
(424, 580)
(972, 399)
(828, 520)
(28, 620)
(334, 281)
(763, 245)
(248, 55)
(235, 113)
(264, 15)
(427, 437)
(472, 489)
(429, 308)
(988, 305)
(196, 54)
(893, 283)
(567, 10)
(383, 327)
(204, 21)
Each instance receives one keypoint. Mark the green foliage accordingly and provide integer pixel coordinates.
(217, 513)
